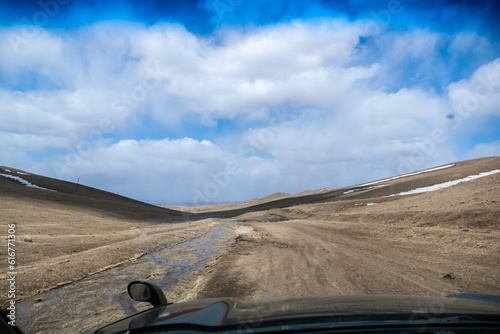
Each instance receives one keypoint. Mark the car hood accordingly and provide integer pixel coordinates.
(231, 311)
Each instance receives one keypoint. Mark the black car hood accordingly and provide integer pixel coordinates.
(231, 311)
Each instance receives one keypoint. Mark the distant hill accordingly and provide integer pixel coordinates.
(25, 186)
(21, 184)
(383, 188)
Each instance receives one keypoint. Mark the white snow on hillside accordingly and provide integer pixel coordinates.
(363, 188)
(23, 181)
(446, 184)
(12, 171)
(357, 189)
(409, 174)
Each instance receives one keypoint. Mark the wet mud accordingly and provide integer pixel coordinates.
(102, 298)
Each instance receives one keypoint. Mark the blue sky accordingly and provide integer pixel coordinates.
(186, 102)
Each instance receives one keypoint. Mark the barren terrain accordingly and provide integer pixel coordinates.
(353, 240)
(434, 243)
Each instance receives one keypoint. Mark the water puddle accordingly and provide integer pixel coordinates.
(77, 305)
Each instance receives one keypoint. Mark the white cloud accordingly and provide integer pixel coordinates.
(367, 125)
(344, 125)
(171, 171)
(242, 72)
(469, 42)
(232, 73)
(485, 150)
(478, 95)
(78, 75)
(17, 49)
(411, 45)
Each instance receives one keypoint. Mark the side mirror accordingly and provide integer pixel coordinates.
(146, 292)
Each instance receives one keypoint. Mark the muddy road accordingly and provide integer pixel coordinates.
(297, 257)
(310, 258)
(102, 298)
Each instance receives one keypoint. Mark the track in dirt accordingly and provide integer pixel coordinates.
(345, 241)
(101, 298)
(302, 258)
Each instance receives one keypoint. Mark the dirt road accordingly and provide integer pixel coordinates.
(434, 243)
(356, 242)
(306, 258)
(101, 298)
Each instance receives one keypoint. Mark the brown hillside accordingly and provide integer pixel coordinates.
(70, 195)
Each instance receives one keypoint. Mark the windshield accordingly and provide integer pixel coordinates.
(257, 150)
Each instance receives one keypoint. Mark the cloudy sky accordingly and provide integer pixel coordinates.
(186, 102)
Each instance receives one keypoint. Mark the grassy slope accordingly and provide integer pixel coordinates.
(70, 195)
(61, 224)
(460, 170)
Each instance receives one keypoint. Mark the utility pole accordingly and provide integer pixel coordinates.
(76, 187)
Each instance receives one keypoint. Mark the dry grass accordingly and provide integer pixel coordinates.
(402, 245)
(27, 238)
(64, 237)
(60, 245)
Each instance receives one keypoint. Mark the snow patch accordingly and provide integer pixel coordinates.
(409, 174)
(12, 171)
(24, 182)
(357, 189)
(364, 188)
(446, 184)
(371, 203)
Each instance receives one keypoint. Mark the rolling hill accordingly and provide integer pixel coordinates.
(384, 190)
(26, 188)
(430, 232)
(40, 188)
